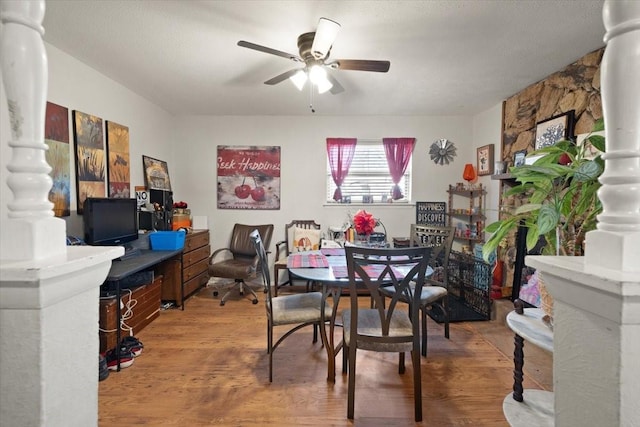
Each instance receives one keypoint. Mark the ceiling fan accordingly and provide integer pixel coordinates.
(314, 49)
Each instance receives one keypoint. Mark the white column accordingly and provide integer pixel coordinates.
(596, 362)
(48, 291)
(30, 231)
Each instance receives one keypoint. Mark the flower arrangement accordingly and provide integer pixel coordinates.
(364, 222)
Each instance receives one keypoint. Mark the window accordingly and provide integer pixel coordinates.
(369, 176)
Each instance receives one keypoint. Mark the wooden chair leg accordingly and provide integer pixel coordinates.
(345, 358)
(401, 367)
(424, 330)
(270, 350)
(417, 385)
(352, 383)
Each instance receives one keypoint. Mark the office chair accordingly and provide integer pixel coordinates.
(297, 310)
(238, 261)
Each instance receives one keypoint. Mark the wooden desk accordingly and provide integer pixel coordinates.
(126, 267)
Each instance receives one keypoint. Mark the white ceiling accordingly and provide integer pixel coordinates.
(447, 57)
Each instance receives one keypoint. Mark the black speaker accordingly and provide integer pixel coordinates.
(145, 220)
(163, 198)
(163, 219)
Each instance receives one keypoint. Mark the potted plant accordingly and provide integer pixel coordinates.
(560, 189)
(561, 192)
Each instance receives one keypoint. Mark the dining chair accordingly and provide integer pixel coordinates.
(435, 291)
(384, 329)
(297, 310)
(299, 235)
(239, 260)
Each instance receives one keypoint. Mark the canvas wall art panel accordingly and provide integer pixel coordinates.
(248, 177)
(90, 157)
(118, 168)
(156, 174)
(58, 156)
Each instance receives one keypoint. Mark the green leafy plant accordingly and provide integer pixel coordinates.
(560, 189)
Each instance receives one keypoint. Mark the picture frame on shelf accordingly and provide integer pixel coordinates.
(484, 160)
(519, 158)
(554, 129)
(156, 174)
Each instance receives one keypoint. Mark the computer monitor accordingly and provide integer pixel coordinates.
(110, 222)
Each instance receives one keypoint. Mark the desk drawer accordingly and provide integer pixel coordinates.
(195, 269)
(195, 283)
(146, 309)
(196, 240)
(190, 258)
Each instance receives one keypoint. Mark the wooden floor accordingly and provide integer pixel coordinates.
(208, 365)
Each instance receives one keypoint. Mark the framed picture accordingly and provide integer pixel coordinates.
(156, 174)
(519, 158)
(249, 177)
(590, 152)
(56, 136)
(90, 157)
(552, 130)
(118, 173)
(484, 164)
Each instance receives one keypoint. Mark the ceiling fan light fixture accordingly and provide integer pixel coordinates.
(299, 79)
(326, 34)
(318, 76)
(324, 86)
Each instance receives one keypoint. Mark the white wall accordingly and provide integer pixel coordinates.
(79, 87)
(487, 129)
(188, 144)
(303, 156)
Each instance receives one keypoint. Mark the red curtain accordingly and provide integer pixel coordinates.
(398, 152)
(340, 152)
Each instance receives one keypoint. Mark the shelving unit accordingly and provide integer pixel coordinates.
(471, 215)
(528, 407)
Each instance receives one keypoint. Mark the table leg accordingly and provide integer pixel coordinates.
(518, 362)
(328, 339)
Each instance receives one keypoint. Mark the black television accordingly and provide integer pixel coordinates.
(110, 222)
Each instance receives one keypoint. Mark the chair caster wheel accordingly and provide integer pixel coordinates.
(215, 293)
(242, 293)
(222, 302)
(265, 290)
(255, 301)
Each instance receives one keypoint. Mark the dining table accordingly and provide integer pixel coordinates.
(328, 268)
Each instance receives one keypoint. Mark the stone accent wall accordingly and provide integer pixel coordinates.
(577, 87)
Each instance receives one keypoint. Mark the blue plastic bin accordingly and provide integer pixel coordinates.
(167, 240)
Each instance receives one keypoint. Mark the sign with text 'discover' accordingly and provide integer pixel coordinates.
(431, 213)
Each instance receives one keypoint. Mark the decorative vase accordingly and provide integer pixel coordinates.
(362, 239)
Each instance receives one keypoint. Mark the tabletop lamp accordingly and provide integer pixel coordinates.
(469, 173)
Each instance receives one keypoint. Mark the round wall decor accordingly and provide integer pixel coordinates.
(442, 151)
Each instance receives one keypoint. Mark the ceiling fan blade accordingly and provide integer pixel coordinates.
(281, 77)
(265, 49)
(337, 87)
(360, 65)
(326, 34)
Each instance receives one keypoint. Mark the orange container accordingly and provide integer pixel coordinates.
(181, 221)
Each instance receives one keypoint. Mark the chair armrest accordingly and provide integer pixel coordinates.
(279, 247)
(216, 253)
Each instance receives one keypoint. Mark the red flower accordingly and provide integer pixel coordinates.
(364, 222)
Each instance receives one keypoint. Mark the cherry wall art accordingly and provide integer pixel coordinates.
(248, 177)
